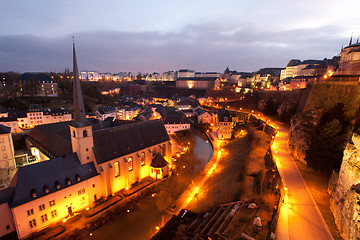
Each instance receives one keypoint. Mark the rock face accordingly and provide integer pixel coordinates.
(345, 202)
(301, 130)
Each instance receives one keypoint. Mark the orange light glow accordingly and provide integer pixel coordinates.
(157, 228)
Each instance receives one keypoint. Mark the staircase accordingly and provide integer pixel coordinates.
(214, 223)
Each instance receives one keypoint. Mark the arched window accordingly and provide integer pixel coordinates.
(73, 133)
(163, 150)
(116, 169)
(142, 159)
(4, 155)
(84, 133)
(154, 152)
(130, 162)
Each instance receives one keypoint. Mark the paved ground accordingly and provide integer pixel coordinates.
(299, 217)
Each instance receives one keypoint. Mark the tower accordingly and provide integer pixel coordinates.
(81, 131)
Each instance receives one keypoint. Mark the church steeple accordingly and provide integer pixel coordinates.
(79, 107)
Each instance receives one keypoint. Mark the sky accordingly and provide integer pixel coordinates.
(160, 35)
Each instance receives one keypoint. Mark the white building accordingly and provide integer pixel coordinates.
(6, 148)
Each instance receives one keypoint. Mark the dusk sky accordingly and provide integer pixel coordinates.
(157, 36)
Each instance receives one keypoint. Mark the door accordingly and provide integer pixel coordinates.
(70, 210)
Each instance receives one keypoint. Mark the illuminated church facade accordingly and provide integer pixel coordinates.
(81, 161)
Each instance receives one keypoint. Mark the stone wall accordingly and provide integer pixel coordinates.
(345, 201)
(322, 97)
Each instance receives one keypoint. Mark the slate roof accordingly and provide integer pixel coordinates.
(36, 177)
(3, 109)
(222, 113)
(119, 141)
(200, 111)
(4, 129)
(54, 139)
(158, 161)
(175, 118)
(5, 195)
(34, 76)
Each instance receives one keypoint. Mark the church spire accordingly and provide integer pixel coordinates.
(79, 108)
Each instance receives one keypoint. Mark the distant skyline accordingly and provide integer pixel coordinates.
(157, 36)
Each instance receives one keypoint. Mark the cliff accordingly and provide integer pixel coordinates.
(345, 203)
(323, 96)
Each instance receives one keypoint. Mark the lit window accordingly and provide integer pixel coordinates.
(41, 207)
(82, 200)
(44, 218)
(130, 162)
(52, 203)
(154, 152)
(116, 169)
(163, 150)
(32, 223)
(142, 159)
(53, 214)
(82, 191)
(30, 212)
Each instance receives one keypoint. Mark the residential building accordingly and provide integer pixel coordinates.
(185, 73)
(175, 122)
(203, 115)
(224, 123)
(200, 83)
(6, 148)
(37, 85)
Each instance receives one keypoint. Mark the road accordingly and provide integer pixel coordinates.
(300, 217)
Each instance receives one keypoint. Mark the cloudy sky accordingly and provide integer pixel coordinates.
(161, 35)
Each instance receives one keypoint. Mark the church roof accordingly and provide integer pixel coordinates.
(119, 141)
(158, 161)
(35, 178)
(35, 76)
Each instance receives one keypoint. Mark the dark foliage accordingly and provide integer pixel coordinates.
(326, 149)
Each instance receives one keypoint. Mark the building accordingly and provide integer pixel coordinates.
(349, 61)
(175, 122)
(81, 161)
(37, 85)
(90, 76)
(203, 116)
(12, 123)
(104, 112)
(185, 73)
(295, 66)
(7, 159)
(224, 123)
(200, 83)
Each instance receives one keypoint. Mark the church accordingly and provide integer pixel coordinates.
(80, 161)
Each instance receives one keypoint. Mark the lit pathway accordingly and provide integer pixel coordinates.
(299, 217)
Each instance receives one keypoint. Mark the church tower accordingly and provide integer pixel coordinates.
(81, 131)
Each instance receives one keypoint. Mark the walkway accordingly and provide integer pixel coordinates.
(299, 217)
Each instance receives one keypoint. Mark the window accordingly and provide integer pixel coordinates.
(44, 218)
(30, 212)
(52, 203)
(163, 150)
(94, 185)
(87, 149)
(41, 207)
(82, 200)
(116, 169)
(82, 191)
(73, 133)
(154, 152)
(1, 140)
(3, 148)
(32, 223)
(84, 133)
(53, 213)
(142, 159)
(130, 162)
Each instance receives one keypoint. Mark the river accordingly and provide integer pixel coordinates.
(140, 222)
